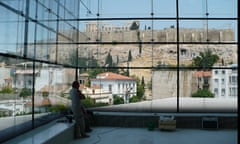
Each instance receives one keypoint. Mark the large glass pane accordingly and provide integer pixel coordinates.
(16, 91)
(51, 89)
(16, 5)
(164, 90)
(208, 30)
(199, 8)
(212, 90)
(11, 23)
(114, 9)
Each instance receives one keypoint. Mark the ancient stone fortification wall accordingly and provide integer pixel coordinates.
(164, 84)
(166, 35)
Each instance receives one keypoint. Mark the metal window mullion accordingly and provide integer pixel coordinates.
(152, 40)
(57, 20)
(57, 29)
(26, 29)
(34, 62)
(77, 39)
(238, 25)
(141, 18)
(178, 58)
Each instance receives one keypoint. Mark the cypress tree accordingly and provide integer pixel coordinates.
(129, 55)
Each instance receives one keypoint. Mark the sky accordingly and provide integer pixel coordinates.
(167, 8)
(12, 32)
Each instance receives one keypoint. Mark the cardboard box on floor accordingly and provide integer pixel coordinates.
(167, 123)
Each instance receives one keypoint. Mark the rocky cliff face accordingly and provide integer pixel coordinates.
(151, 56)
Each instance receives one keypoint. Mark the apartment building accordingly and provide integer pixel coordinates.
(224, 82)
(117, 84)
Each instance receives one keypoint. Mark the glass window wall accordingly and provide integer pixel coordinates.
(173, 56)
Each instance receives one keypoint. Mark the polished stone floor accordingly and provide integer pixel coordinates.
(118, 135)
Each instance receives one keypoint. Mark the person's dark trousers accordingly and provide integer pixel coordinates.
(88, 120)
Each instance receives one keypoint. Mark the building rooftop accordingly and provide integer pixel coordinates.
(112, 76)
(202, 74)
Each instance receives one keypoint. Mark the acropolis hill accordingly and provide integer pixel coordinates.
(151, 55)
(164, 54)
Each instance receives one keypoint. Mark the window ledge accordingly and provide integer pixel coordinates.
(59, 131)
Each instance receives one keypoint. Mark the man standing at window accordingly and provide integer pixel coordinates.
(76, 97)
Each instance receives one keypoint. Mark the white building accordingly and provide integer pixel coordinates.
(14, 106)
(5, 76)
(224, 82)
(44, 76)
(97, 94)
(116, 84)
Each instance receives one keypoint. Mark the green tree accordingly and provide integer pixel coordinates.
(7, 89)
(45, 94)
(139, 42)
(82, 61)
(134, 99)
(205, 59)
(117, 100)
(58, 108)
(140, 90)
(117, 59)
(140, 48)
(94, 72)
(143, 82)
(203, 93)
(88, 102)
(130, 55)
(25, 92)
(109, 64)
(134, 26)
(73, 58)
(149, 85)
(109, 60)
(92, 62)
